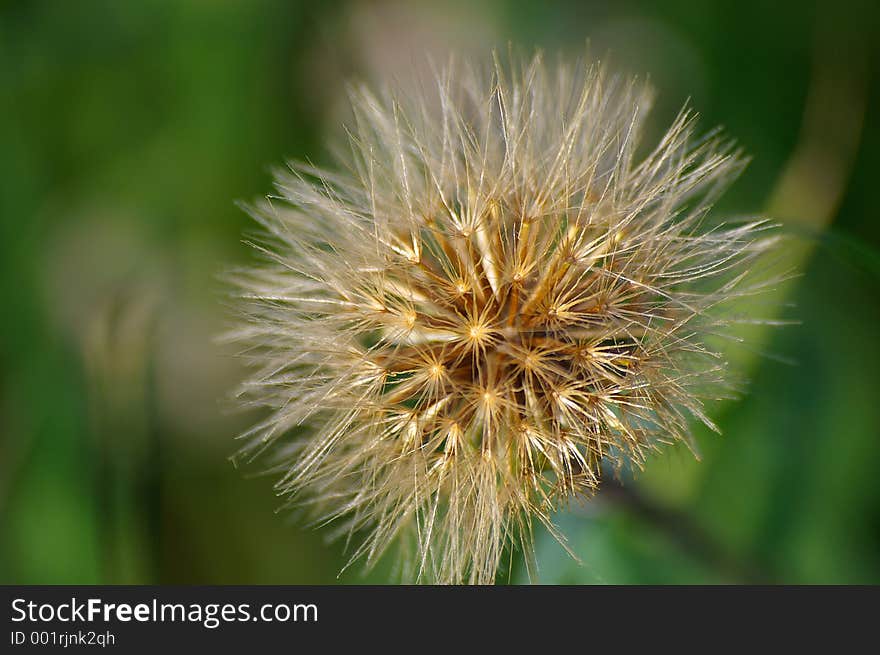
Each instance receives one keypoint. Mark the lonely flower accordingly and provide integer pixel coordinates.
(498, 294)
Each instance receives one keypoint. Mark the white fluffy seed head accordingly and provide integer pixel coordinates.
(491, 297)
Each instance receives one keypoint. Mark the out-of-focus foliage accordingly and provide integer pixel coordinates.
(128, 131)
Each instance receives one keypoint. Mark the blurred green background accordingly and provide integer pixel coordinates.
(128, 130)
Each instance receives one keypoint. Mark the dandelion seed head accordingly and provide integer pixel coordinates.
(495, 294)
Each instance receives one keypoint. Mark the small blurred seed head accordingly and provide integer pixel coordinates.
(491, 297)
